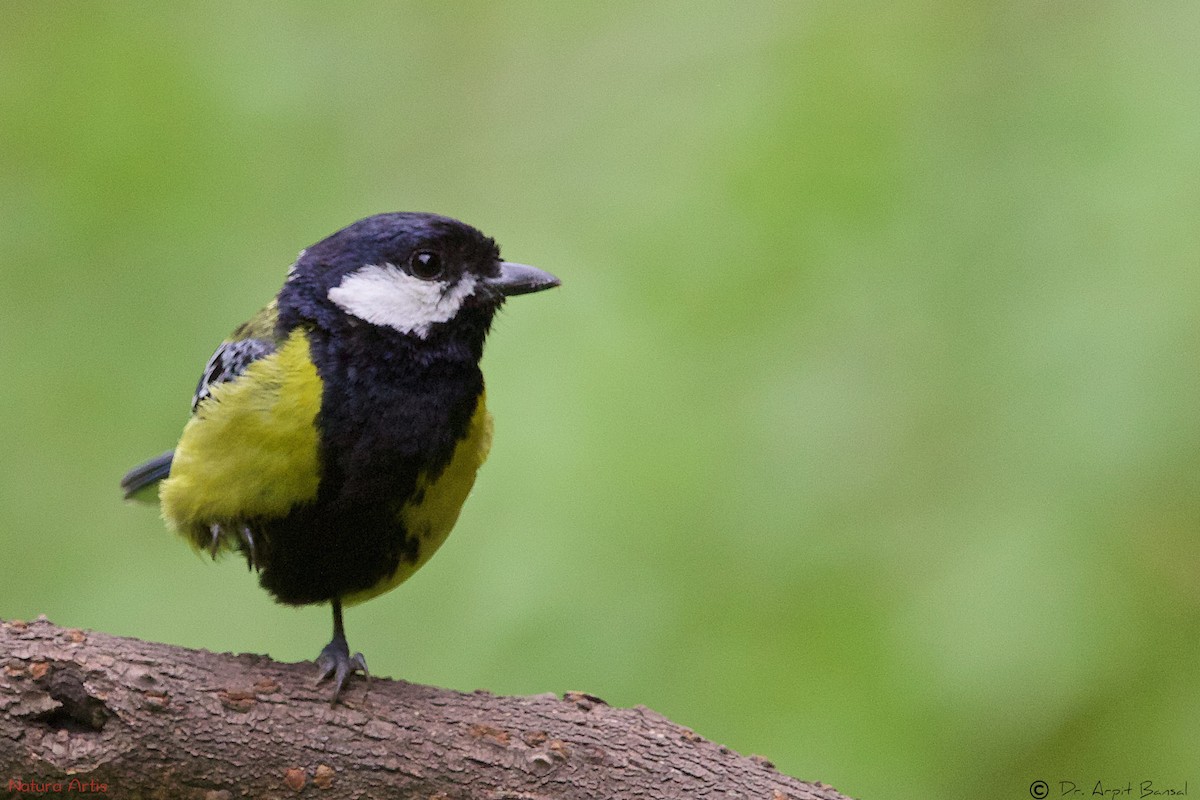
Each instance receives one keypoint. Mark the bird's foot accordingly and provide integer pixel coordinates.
(335, 661)
(249, 550)
(214, 544)
(245, 543)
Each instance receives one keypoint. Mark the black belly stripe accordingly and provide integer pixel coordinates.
(386, 423)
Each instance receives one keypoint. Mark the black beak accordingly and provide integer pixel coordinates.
(517, 279)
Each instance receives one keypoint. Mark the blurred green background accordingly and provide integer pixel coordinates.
(862, 434)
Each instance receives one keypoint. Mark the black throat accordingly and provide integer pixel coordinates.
(394, 405)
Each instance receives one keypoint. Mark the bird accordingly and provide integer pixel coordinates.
(334, 437)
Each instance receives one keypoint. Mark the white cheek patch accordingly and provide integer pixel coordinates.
(385, 295)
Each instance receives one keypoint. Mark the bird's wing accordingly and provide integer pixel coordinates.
(251, 341)
(251, 450)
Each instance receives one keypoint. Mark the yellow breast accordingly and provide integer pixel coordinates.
(251, 449)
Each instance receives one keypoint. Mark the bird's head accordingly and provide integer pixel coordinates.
(416, 274)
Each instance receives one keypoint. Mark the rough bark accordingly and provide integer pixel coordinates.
(88, 713)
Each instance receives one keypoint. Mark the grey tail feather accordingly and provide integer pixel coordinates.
(147, 474)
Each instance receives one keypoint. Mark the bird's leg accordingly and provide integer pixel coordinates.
(335, 660)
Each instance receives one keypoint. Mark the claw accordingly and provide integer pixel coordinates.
(251, 553)
(215, 544)
(335, 660)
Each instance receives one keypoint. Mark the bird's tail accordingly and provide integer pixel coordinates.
(144, 477)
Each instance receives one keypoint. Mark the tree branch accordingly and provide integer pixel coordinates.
(91, 713)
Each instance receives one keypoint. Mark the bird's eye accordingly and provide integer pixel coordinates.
(426, 265)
